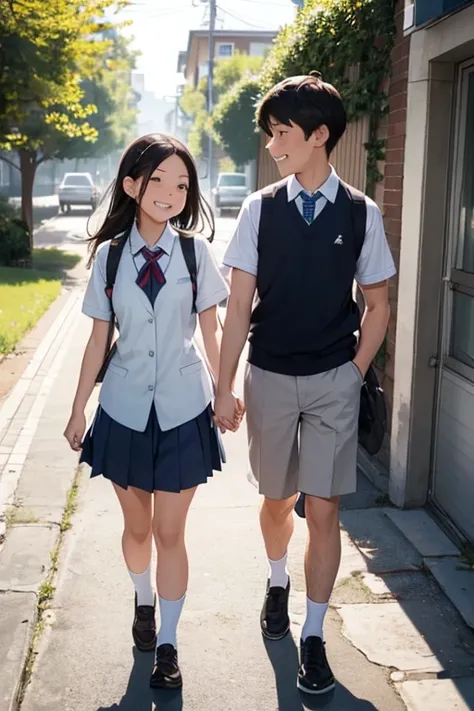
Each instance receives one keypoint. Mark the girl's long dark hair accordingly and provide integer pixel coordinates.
(141, 159)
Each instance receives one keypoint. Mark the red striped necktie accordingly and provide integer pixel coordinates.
(151, 268)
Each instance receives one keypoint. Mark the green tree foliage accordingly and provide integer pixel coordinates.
(348, 41)
(233, 70)
(56, 58)
(233, 121)
(227, 74)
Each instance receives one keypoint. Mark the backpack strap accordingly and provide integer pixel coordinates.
(359, 215)
(188, 248)
(113, 261)
(271, 190)
(111, 268)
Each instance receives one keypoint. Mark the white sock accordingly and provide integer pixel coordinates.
(315, 612)
(143, 588)
(170, 612)
(278, 572)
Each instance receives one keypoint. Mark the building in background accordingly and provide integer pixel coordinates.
(194, 63)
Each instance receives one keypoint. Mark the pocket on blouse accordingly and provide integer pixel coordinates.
(192, 368)
(117, 370)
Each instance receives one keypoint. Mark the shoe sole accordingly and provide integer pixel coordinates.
(315, 692)
(274, 637)
(158, 685)
(145, 647)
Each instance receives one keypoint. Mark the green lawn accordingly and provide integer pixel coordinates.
(25, 294)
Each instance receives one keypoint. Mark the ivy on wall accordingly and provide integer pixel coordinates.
(350, 43)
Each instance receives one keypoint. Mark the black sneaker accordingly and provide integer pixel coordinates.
(144, 627)
(166, 673)
(274, 620)
(314, 675)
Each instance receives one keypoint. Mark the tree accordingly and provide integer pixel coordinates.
(53, 54)
(193, 102)
(227, 74)
(115, 115)
(233, 121)
(350, 43)
(231, 71)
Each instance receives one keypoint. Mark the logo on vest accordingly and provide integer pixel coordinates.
(339, 240)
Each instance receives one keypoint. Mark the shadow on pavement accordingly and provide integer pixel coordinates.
(41, 213)
(284, 660)
(139, 696)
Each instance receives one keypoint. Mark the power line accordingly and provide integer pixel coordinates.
(239, 19)
(262, 2)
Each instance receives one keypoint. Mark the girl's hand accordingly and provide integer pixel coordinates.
(226, 412)
(75, 429)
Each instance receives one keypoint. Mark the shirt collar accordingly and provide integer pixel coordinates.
(328, 189)
(165, 242)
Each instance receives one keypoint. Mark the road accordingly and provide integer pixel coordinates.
(69, 231)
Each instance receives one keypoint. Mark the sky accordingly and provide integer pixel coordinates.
(161, 27)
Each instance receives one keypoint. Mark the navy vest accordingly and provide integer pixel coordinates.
(305, 318)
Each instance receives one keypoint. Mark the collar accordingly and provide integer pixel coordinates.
(328, 189)
(165, 242)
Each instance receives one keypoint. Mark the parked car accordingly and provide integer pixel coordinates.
(77, 189)
(230, 191)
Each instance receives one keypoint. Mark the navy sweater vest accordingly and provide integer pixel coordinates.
(305, 319)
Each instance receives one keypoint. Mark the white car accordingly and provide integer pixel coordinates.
(230, 192)
(77, 189)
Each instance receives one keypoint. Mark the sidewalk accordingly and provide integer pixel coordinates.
(394, 639)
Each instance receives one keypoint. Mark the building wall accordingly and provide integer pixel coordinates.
(392, 192)
(435, 53)
(199, 53)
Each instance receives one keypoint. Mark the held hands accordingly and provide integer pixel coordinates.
(75, 429)
(228, 411)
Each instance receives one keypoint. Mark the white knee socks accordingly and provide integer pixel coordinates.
(278, 572)
(170, 612)
(315, 612)
(143, 588)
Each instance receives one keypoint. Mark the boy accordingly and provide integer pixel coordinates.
(297, 245)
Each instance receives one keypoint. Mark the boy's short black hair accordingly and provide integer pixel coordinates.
(307, 101)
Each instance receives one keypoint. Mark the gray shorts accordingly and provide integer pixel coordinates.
(302, 431)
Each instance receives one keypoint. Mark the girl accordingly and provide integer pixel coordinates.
(153, 434)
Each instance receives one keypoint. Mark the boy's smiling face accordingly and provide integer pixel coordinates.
(290, 149)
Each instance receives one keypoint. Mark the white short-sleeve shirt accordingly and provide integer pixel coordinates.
(375, 263)
(156, 359)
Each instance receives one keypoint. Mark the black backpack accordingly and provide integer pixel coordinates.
(113, 259)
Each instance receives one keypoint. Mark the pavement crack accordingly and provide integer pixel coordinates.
(46, 591)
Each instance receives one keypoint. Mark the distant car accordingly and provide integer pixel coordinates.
(77, 189)
(230, 191)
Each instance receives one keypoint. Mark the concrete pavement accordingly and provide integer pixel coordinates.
(393, 638)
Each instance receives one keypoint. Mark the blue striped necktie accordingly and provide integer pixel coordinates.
(309, 204)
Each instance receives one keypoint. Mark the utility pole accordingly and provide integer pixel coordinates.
(210, 80)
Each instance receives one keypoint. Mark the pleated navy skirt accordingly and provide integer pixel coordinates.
(153, 460)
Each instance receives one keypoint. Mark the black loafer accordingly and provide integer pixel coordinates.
(314, 675)
(274, 619)
(144, 627)
(166, 673)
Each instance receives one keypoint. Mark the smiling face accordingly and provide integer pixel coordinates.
(291, 151)
(166, 192)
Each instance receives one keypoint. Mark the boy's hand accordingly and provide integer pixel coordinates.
(228, 411)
